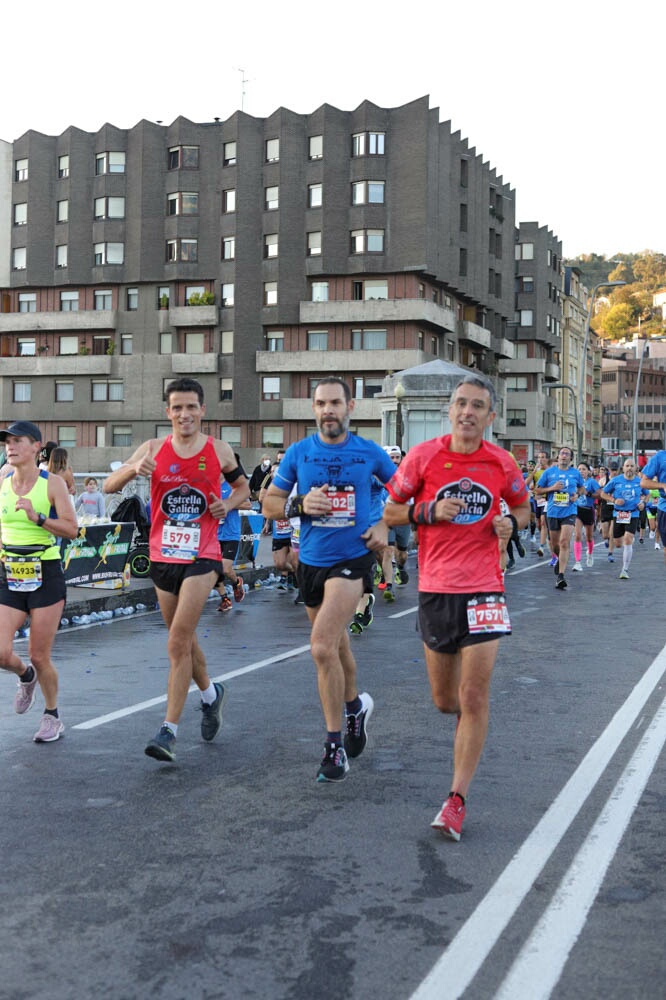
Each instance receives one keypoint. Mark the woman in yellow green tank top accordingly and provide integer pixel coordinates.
(35, 510)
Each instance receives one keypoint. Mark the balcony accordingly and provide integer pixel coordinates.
(378, 311)
(301, 409)
(69, 322)
(276, 362)
(184, 364)
(503, 348)
(61, 365)
(471, 333)
(522, 366)
(193, 316)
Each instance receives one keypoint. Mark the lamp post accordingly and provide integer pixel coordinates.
(399, 393)
(634, 425)
(565, 385)
(582, 374)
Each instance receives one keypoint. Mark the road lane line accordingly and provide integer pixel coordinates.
(539, 965)
(121, 713)
(460, 962)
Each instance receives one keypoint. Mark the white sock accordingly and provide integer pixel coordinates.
(209, 695)
(173, 726)
(627, 553)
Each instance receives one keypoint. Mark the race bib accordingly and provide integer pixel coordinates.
(23, 573)
(561, 499)
(622, 516)
(282, 527)
(181, 541)
(542, 501)
(343, 509)
(488, 614)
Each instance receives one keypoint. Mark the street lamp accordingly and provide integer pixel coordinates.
(565, 385)
(399, 393)
(582, 373)
(634, 426)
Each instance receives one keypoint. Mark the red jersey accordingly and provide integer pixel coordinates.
(182, 529)
(460, 556)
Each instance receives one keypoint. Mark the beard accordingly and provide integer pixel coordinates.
(335, 429)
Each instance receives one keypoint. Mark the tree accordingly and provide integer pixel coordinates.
(617, 321)
(650, 269)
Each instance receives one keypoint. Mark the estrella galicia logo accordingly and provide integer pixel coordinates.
(184, 503)
(477, 499)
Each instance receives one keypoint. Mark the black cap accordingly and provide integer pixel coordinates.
(22, 428)
(613, 466)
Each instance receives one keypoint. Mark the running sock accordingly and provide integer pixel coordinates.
(51, 711)
(209, 695)
(353, 707)
(173, 726)
(28, 676)
(590, 548)
(335, 738)
(627, 553)
(578, 551)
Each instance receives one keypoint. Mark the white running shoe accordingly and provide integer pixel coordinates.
(590, 560)
(657, 545)
(624, 575)
(577, 568)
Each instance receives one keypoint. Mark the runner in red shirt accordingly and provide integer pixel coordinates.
(456, 483)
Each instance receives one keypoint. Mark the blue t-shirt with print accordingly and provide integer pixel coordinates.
(587, 499)
(560, 503)
(229, 530)
(656, 469)
(627, 490)
(348, 469)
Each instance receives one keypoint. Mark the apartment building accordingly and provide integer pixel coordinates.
(639, 364)
(256, 255)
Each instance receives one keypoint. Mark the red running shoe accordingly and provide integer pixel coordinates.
(239, 590)
(450, 818)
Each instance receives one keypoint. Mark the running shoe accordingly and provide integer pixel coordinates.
(540, 552)
(404, 577)
(520, 548)
(366, 616)
(379, 576)
(450, 817)
(606, 543)
(577, 568)
(590, 560)
(356, 627)
(282, 583)
(239, 590)
(335, 765)
(211, 719)
(298, 599)
(356, 736)
(561, 582)
(554, 560)
(651, 535)
(641, 541)
(162, 746)
(389, 596)
(657, 545)
(50, 730)
(24, 698)
(610, 558)
(225, 604)
(624, 575)
(511, 563)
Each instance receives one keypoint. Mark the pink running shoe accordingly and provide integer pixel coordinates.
(50, 730)
(450, 818)
(24, 698)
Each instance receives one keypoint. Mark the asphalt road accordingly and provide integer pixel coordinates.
(233, 874)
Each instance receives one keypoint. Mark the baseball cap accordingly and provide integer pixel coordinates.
(22, 428)
(613, 466)
(392, 449)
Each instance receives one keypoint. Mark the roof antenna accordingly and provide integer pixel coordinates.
(244, 80)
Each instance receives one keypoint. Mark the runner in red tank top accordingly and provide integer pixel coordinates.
(457, 483)
(185, 562)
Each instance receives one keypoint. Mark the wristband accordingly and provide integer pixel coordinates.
(294, 506)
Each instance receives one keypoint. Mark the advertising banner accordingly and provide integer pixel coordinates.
(97, 556)
(251, 525)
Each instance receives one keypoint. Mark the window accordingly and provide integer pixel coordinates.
(109, 208)
(166, 343)
(515, 383)
(195, 343)
(270, 245)
(368, 144)
(109, 253)
(121, 436)
(63, 166)
(103, 299)
(464, 172)
(375, 290)
(270, 387)
(61, 255)
(183, 203)
(526, 317)
(320, 291)
(20, 213)
(100, 436)
(229, 200)
(272, 150)
(101, 345)
(27, 347)
(367, 388)
(69, 302)
(27, 302)
(227, 342)
(21, 170)
(314, 195)
(524, 251)
(229, 154)
(132, 299)
(67, 437)
(271, 198)
(126, 343)
(462, 261)
(229, 248)
(182, 250)
(19, 258)
(463, 217)
(64, 392)
(367, 241)
(314, 244)
(368, 193)
(275, 340)
(317, 340)
(368, 340)
(68, 345)
(516, 418)
(232, 435)
(191, 290)
(183, 158)
(270, 293)
(62, 210)
(316, 147)
(110, 163)
(526, 285)
(226, 390)
(163, 295)
(22, 392)
(107, 390)
(228, 295)
(272, 437)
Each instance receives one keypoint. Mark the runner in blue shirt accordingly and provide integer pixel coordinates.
(228, 535)
(626, 492)
(562, 484)
(654, 478)
(585, 518)
(334, 470)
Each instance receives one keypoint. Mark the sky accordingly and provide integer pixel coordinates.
(564, 100)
